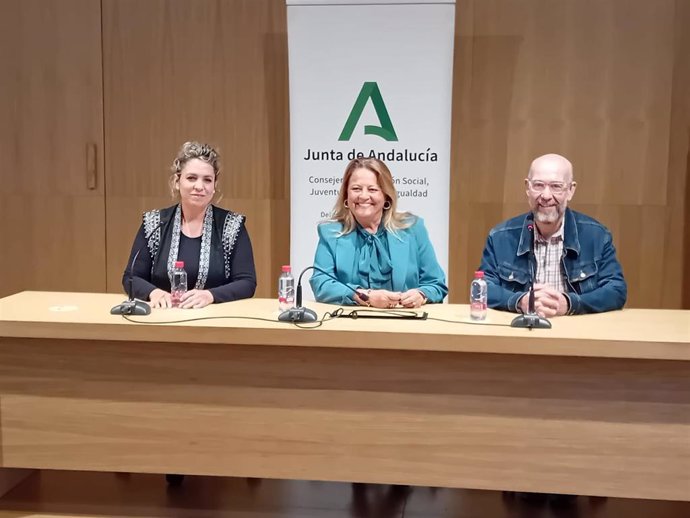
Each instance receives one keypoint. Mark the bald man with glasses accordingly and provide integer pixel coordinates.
(573, 266)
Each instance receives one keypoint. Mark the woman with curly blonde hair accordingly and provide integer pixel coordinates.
(212, 242)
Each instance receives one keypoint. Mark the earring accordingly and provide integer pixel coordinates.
(387, 205)
(347, 206)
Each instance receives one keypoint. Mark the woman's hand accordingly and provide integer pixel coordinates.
(160, 299)
(196, 299)
(382, 299)
(362, 297)
(413, 298)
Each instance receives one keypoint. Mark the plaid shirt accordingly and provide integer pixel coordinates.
(548, 254)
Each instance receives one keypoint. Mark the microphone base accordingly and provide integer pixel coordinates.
(530, 321)
(300, 314)
(131, 307)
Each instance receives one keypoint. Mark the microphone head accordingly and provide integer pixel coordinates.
(530, 227)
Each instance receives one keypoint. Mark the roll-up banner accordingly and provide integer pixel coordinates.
(369, 79)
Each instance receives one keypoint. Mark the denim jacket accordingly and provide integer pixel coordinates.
(594, 277)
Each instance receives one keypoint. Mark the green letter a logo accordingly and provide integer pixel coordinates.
(370, 90)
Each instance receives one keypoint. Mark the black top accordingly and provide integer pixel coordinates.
(149, 273)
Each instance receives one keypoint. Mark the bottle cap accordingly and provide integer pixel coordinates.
(479, 274)
(179, 264)
(286, 268)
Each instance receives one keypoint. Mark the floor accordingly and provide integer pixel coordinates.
(106, 495)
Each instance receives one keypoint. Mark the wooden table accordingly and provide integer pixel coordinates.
(598, 405)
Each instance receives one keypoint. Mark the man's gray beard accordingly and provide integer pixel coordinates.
(551, 217)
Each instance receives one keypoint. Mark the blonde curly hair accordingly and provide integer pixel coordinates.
(189, 151)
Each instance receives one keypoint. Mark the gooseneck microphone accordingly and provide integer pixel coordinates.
(531, 320)
(301, 314)
(132, 306)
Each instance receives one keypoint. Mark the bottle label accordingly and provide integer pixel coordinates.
(286, 294)
(176, 297)
(478, 310)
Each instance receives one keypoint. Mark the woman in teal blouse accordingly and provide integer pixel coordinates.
(374, 249)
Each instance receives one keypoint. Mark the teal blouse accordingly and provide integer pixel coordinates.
(374, 259)
(401, 261)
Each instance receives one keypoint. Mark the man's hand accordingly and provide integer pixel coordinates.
(549, 302)
(524, 303)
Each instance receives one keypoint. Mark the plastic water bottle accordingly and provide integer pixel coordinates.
(179, 283)
(478, 297)
(286, 289)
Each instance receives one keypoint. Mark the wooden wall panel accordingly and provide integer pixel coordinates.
(593, 81)
(51, 220)
(679, 157)
(604, 82)
(209, 70)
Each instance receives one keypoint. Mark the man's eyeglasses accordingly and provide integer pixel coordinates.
(554, 187)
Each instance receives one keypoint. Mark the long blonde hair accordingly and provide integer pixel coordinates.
(391, 219)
